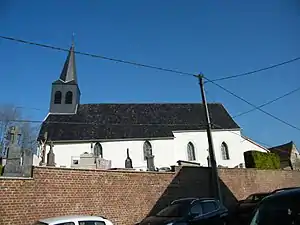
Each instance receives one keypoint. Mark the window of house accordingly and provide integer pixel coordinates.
(57, 97)
(147, 149)
(69, 97)
(191, 152)
(75, 161)
(224, 151)
(98, 150)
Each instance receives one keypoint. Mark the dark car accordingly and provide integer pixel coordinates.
(245, 207)
(190, 211)
(281, 208)
(283, 189)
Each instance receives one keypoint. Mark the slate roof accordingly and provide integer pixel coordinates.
(68, 74)
(119, 121)
(284, 152)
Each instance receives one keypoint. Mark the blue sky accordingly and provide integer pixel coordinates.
(218, 38)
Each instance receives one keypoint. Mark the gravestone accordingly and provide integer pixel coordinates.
(103, 164)
(51, 156)
(128, 161)
(150, 163)
(27, 162)
(13, 167)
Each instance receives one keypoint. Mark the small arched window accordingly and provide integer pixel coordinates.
(57, 97)
(69, 97)
(224, 151)
(191, 152)
(147, 149)
(98, 150)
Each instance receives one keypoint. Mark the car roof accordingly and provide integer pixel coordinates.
(287, 192)
(191, 200)
(63, 219)
(260, 193)
(284, 189)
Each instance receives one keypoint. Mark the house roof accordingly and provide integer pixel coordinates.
(119, 121)
(284, 151)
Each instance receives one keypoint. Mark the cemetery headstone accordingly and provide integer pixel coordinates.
(128, 161)
(51, 156)
(150, 163)
(13, 167)
(103, 164)
(27, 162)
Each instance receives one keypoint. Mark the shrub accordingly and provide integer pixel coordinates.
(261, 160)
(1, 169)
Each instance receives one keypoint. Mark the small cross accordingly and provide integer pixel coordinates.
(73, 39)
(13, 135)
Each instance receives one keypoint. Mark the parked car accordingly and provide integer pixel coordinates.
(245, 207)
(283, 189)
(281, 208)
(190, 211)
(74, 220)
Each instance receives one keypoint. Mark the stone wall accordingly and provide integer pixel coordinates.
(125, 197)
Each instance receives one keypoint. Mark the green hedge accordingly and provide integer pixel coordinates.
(261, 160)
(1, 168)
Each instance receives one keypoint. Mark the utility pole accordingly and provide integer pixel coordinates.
(215, 177)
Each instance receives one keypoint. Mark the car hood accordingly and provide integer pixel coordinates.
(157, 220)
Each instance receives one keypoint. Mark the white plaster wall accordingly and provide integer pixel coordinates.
(236, 146)
(116, 152)
(166, 151)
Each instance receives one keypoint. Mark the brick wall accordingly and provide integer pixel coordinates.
(124, 197)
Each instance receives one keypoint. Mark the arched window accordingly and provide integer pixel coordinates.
(224, 151)
(191, 152)
(147, 149)
(98, 150)
(57, 97)
(69, 97)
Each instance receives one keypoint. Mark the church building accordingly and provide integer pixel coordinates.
(167, 132)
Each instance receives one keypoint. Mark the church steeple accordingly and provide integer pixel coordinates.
(65, 96)
(69, 70)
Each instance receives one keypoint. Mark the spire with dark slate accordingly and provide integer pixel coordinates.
(69, 71)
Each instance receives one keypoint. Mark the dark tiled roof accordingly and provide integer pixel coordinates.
(118, 121)
(69, 70)
(283, 150)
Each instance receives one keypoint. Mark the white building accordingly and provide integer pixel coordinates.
(170, 132)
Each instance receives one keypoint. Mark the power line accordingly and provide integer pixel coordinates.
(164, 69)
(268, 103)
(98, 56)
(249, 103)
(258, 70)
(247, 139)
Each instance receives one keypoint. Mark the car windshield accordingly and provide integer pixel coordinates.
(276, 213)
(176, 210)
(39, 223)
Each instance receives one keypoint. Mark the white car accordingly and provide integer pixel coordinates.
(74, 220)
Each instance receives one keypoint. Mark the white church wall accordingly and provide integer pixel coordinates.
(236, 146)
(116, 151)
(166, 151)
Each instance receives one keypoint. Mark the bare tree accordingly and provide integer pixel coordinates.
(9, 116)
